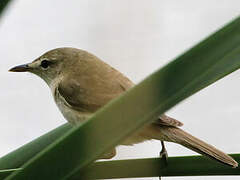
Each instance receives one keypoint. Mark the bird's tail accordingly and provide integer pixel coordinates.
(177, 135)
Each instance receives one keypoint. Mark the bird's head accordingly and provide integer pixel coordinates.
(54, 63)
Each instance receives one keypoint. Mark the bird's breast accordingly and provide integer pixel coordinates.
(71, 115)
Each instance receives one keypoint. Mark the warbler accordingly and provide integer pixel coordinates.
(81, 84)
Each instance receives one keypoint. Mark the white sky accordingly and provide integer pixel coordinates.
(136, 37)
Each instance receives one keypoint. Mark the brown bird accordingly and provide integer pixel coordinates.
(81, 84)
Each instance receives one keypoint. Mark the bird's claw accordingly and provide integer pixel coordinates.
(163, 155)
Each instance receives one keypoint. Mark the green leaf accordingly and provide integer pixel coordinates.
(3, 5)
(210, 60)
(5, 172)
(9, 170)
(154, 167)
(18, 157)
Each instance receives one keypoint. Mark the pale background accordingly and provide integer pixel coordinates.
(136, 37)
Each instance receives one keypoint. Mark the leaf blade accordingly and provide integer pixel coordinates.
(154, 167)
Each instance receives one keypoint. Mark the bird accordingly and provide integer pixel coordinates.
(81, 83)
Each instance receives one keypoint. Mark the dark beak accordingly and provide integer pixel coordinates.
(20, 68)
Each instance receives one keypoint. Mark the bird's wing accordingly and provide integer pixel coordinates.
(168, 121)
(94, 88)
(90, 93)
(75, 96)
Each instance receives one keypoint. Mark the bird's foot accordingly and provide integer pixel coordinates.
(163, 153)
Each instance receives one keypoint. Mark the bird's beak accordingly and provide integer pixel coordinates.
(20, 68)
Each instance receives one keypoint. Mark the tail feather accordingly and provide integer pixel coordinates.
(174, 134)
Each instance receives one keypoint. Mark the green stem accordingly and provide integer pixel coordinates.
(154, 167)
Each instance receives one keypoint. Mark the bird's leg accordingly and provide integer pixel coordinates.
(163, 153)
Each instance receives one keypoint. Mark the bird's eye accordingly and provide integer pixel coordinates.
(45, 64)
